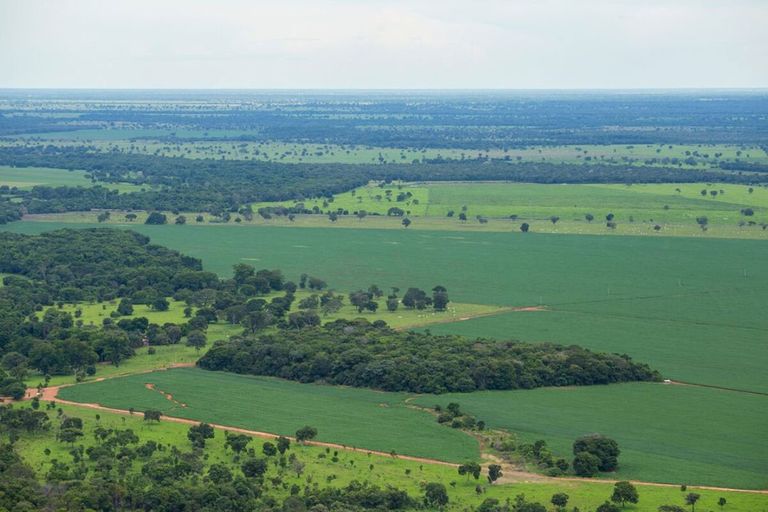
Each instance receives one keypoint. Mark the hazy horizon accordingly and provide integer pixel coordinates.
(384, 45)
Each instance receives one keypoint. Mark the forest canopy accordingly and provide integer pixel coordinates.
(358, 353)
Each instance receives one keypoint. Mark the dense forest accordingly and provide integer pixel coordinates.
(358, 353)
(44, 271)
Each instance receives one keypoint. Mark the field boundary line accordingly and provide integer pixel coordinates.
(721, 388)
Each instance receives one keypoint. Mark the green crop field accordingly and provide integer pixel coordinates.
(667, 433)
(690, 307)
(28, 177)
(360, 418)
(386, 470)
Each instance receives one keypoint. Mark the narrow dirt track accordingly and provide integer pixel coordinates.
(450, 320)
(511, 474)
(50, 394)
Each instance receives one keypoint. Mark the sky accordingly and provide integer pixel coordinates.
(384, 44)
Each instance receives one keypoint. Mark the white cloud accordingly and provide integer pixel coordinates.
(382, 44)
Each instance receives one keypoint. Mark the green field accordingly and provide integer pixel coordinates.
(689, 307)
(671, 206)
(27, 177)
(386, 470)
(667, 433)
(360, 418)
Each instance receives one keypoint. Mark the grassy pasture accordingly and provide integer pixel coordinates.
(644, 204)
(585, 495)
(94, 313)
(667, 433)
(422, 224)
(145, 141)
(27, 177)
(354, 417)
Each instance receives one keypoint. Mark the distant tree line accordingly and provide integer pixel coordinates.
(224, 186)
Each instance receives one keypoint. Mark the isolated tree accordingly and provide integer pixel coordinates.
(333, 216)
(586, 464)
(702, 221)
(605, 449)
(470, 468)
(623, 493)
(269, 449)
(435, 495)
(589, 217)
(156, 218)
(306, 433)
(722, 501)
(463, 217)
(236, 442)
(103, 217)
(315, 283)
(125, 307)
(180, 220)
(524, 227)
(392, 304)
(360, 299)
(560, 500)
(494, 473)
(416, 298)
(361, 214)
(554, 219)
(197, 434)
(254, 468)
(406, 222)
(691, 499)
(607, 507)
(152, 415)
(130, 217)
(283, 444)
(160, 304)
(196, 340)
(440, 298)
